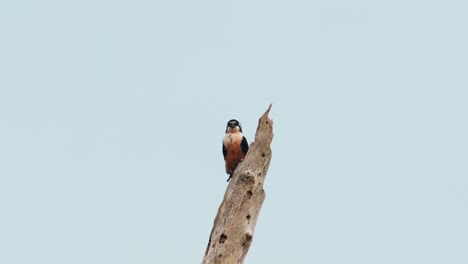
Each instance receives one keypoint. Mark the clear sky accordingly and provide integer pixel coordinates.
(112, 115)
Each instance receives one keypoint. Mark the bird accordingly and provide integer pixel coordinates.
(235, 146)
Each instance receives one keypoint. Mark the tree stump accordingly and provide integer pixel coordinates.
(234, 225)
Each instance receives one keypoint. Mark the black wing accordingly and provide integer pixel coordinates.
(244, 146)
(224, 151)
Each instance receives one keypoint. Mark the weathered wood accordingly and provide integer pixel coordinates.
(234, 225)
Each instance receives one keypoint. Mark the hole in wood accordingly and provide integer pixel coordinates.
(247, 239)
(248, 218)
(249, 194)
(248, 178)
(222, 238)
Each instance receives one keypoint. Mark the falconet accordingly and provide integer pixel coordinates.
(235, 146)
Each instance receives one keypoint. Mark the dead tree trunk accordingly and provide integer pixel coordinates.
(237, 216)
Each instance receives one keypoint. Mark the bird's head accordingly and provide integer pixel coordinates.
(233, 126)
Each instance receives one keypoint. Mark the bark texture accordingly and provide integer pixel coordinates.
(234, 225)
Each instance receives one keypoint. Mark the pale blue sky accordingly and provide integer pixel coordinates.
(112, 115)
